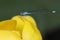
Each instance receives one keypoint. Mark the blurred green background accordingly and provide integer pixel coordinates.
(9, 8)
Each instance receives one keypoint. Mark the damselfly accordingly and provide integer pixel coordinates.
(40, 11)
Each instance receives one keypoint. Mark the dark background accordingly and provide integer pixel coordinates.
(45, 22)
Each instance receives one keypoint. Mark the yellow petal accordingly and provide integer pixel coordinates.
(8, 25)
(30, 32)
(20, 22)
(28, 28)
(9, 35)
(31, 20)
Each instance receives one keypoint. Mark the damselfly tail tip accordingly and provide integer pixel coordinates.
(24, 13)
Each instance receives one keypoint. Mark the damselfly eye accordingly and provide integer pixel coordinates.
(53, 11)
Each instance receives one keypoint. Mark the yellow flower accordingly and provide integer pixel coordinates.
(19, 28)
